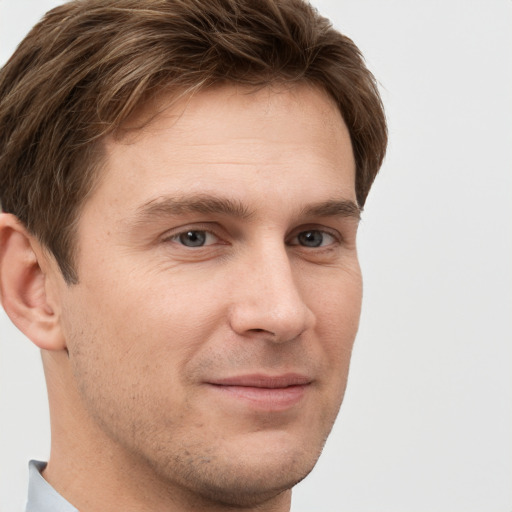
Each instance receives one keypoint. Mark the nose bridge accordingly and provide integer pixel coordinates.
(269, 302)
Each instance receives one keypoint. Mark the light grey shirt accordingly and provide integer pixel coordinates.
(42, 497)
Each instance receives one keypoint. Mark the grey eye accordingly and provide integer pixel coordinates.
(193, 238)
(313, 238)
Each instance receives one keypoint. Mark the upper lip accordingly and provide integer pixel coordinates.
(264, 381)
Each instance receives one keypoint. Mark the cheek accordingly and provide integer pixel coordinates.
(128, 357)
(141, 333)
(337, 302)
(337, 309)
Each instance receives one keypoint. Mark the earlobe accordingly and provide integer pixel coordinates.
(23, 286)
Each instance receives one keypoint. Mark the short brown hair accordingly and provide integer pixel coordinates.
(88, 64)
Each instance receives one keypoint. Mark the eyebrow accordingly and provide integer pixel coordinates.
(201, 203)
(334, 208)
(208, 204)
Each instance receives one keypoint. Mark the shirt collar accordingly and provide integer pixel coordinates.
(42, 497)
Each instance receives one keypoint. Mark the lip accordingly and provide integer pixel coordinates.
(263, 392)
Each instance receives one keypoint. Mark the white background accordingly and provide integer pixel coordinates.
(427, 421)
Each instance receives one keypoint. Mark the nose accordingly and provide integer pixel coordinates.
(267, 303)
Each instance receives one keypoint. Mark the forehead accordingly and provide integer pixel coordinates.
(229, 138)
(232, 111)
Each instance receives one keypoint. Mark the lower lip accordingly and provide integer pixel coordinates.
(270, 399)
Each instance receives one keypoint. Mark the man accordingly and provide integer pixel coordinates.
(181, 184)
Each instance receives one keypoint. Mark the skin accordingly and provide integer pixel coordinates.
(143, 354)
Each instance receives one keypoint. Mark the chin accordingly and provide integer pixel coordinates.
(252, 484)
(246, 477)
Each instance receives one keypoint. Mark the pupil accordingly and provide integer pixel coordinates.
(193, 238)
(311, 238)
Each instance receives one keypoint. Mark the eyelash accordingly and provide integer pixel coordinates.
(177, 236)
(323, 232)
(335, 238)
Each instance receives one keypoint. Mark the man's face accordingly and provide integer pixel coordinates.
(219, 296)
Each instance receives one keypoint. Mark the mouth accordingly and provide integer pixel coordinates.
(264, 392)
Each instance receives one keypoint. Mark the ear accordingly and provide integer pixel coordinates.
(24, 285)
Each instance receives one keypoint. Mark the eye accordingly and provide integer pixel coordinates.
(313, 238)
(194, 238)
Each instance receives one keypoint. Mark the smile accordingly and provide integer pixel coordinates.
(266, 393)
